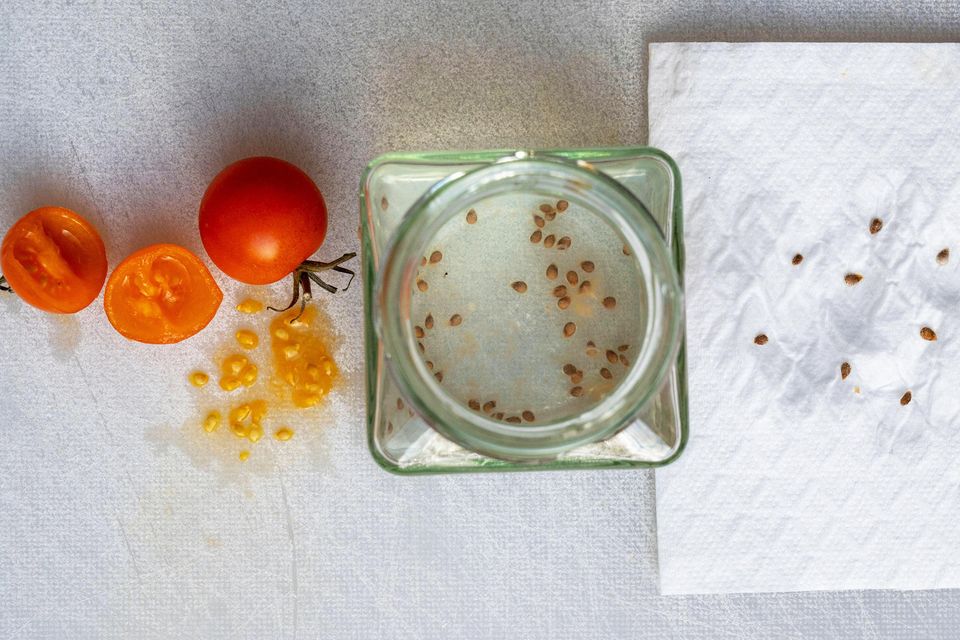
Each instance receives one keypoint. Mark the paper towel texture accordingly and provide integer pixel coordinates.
(796, 478)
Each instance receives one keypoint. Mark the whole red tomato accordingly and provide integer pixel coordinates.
(261, 218)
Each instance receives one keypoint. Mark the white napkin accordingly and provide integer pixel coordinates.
(794, 478)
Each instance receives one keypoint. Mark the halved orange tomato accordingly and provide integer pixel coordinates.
(54, 259)
(161, 294)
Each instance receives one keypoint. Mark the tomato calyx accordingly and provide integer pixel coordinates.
(307, 274)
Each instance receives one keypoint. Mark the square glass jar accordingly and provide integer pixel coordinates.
(401, 440)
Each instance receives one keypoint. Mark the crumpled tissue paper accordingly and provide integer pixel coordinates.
(822, 213)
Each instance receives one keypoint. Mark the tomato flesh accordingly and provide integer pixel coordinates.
(54, 259)
(161, 294)
(260, 218)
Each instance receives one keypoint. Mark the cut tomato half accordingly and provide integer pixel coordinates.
(161, 294)
(54, 259)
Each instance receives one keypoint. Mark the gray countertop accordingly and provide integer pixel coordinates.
(128, 108)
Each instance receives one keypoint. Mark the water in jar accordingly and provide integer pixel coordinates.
(528, 308)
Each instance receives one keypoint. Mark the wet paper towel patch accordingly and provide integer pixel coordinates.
(822, 214)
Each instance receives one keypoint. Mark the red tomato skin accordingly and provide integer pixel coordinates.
(260, 218)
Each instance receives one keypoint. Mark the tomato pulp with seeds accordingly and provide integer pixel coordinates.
(161, 294)
(54, 259)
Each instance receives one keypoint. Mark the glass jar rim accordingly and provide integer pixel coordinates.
(457, 193)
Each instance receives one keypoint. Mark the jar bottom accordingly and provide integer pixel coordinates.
(400, 440)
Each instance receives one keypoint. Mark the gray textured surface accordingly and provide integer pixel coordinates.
(110, 527)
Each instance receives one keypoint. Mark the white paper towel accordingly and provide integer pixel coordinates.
(794, 478)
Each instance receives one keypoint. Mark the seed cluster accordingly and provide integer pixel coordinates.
(489, 407)
(575, 286)
(852, 279)
(435, 258)
(422, 333)
(246, 420)
(572, 277)
(301, 367)
(613, 356)
(237, 370)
